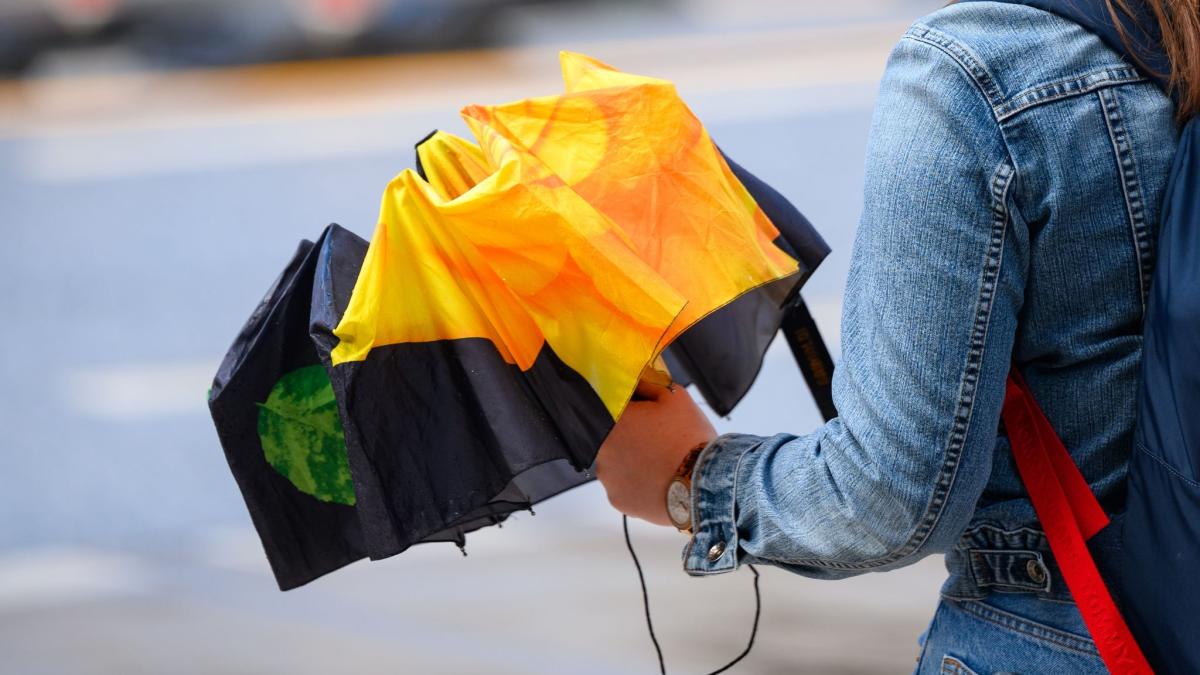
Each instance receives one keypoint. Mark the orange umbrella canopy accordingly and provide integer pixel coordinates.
(602, 222)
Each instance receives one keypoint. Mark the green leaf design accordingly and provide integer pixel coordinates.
(302, 436)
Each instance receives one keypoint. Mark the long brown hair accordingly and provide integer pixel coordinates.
(1178, 22)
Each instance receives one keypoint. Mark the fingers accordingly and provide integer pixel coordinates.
(650, 391)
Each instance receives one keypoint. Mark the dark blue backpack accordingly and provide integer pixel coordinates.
(1156, 574)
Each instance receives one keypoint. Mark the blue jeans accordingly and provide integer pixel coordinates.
(1007, 633)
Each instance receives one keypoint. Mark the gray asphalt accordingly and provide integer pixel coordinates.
(144, 215)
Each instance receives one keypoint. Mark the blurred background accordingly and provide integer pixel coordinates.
(159, 160)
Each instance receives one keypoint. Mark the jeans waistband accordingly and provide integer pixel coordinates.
(990, 559)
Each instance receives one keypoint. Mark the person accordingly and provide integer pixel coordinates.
(1015, 173)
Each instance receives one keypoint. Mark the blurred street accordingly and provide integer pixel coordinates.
(146, 210)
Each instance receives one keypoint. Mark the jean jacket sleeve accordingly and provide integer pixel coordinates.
(936, 281)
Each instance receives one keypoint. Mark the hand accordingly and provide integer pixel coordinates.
(639, 458)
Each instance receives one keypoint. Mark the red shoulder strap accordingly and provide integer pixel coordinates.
(1070, 515)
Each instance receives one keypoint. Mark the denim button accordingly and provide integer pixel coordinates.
(1036, 571)
(717, 550)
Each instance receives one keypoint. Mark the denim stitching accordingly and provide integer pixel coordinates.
(1131, 186)
(1034, 542)
(1002, 531)
(965, 58)
(701, 504)
(1106, 73)
(1001, 180)
(1053, 636)
(993, 259)
(1067, 88)
(958, 596)
(735, 544)
(1004, 109)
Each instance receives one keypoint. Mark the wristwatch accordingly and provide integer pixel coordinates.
(679, 493)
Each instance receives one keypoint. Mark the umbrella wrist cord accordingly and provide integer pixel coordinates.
(662, 667)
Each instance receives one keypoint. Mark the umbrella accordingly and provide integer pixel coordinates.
(516, 289)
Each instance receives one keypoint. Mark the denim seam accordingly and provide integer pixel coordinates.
(957, 596)
(961, 597)
(1131, 187)
(993, 260)
(1071, 87)
(1053, 636)
(700, 476)
(1000, 530)
(733, 489)
(971, 64)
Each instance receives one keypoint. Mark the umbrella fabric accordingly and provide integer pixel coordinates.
(456, 165)
(521, 261)
(507, 306)
(275, 414)
(722, 353)
(630, 147)
(624, 129)
(408, 473)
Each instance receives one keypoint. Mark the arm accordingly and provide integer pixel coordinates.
(927, 334)
(936, 280)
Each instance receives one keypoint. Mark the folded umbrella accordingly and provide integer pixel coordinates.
(509, 304)
(469, 362)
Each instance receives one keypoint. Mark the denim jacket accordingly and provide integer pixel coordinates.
(1014, 176)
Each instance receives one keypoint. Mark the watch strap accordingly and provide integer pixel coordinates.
(688, 465)
(683, 478)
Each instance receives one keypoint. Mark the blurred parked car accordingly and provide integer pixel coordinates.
(219, 32)
(28, 27)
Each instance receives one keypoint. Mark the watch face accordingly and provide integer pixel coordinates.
(679, 504)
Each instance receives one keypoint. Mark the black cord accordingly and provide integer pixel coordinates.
(662, 666)
(753, 630)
